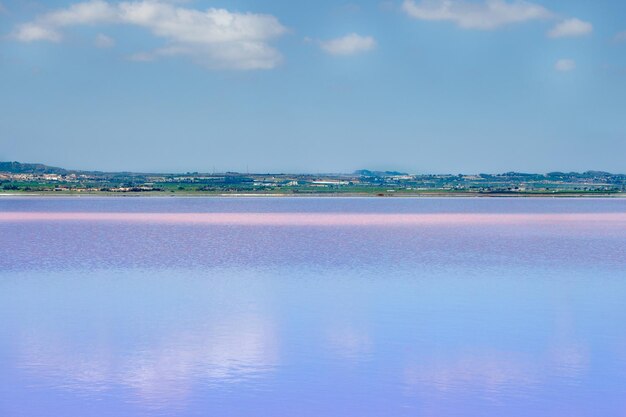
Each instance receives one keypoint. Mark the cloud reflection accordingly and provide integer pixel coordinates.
(234, 351)
(487, 373)
(494, 373)
(349, 342)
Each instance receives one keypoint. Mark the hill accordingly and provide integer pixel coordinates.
(19, 168)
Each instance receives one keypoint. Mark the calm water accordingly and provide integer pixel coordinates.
(312, 307)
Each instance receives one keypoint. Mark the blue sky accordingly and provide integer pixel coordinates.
(325, 86)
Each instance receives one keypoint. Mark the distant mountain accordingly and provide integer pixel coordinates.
(598, 173)
(34, 168)
(368, 173)
(19, 168)
(586, 174)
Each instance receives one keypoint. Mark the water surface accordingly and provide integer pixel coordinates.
(312, 307)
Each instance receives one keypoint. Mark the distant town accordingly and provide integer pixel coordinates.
(26, 178)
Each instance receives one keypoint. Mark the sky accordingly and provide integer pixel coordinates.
(421, 86)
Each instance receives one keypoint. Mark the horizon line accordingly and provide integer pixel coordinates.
(391, 172)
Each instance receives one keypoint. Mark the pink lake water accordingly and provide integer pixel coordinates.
(312, 307)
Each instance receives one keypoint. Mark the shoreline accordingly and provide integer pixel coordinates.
(319, 195)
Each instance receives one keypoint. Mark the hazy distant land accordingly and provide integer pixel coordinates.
(22, 178)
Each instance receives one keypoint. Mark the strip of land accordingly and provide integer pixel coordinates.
(22, 179)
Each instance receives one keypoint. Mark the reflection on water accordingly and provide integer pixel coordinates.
(490, 373)
(349, 342)
(135, 319)
(154, 335)
(158, 375)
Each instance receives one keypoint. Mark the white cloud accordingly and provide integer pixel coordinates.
(216, 38)
(571, 28)
(104, 41)
(620, 37)
(349, 44)
(90, 12)
(30, 32)
(349, 8)
(490, 14)
(142, 57)
(565, 65)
